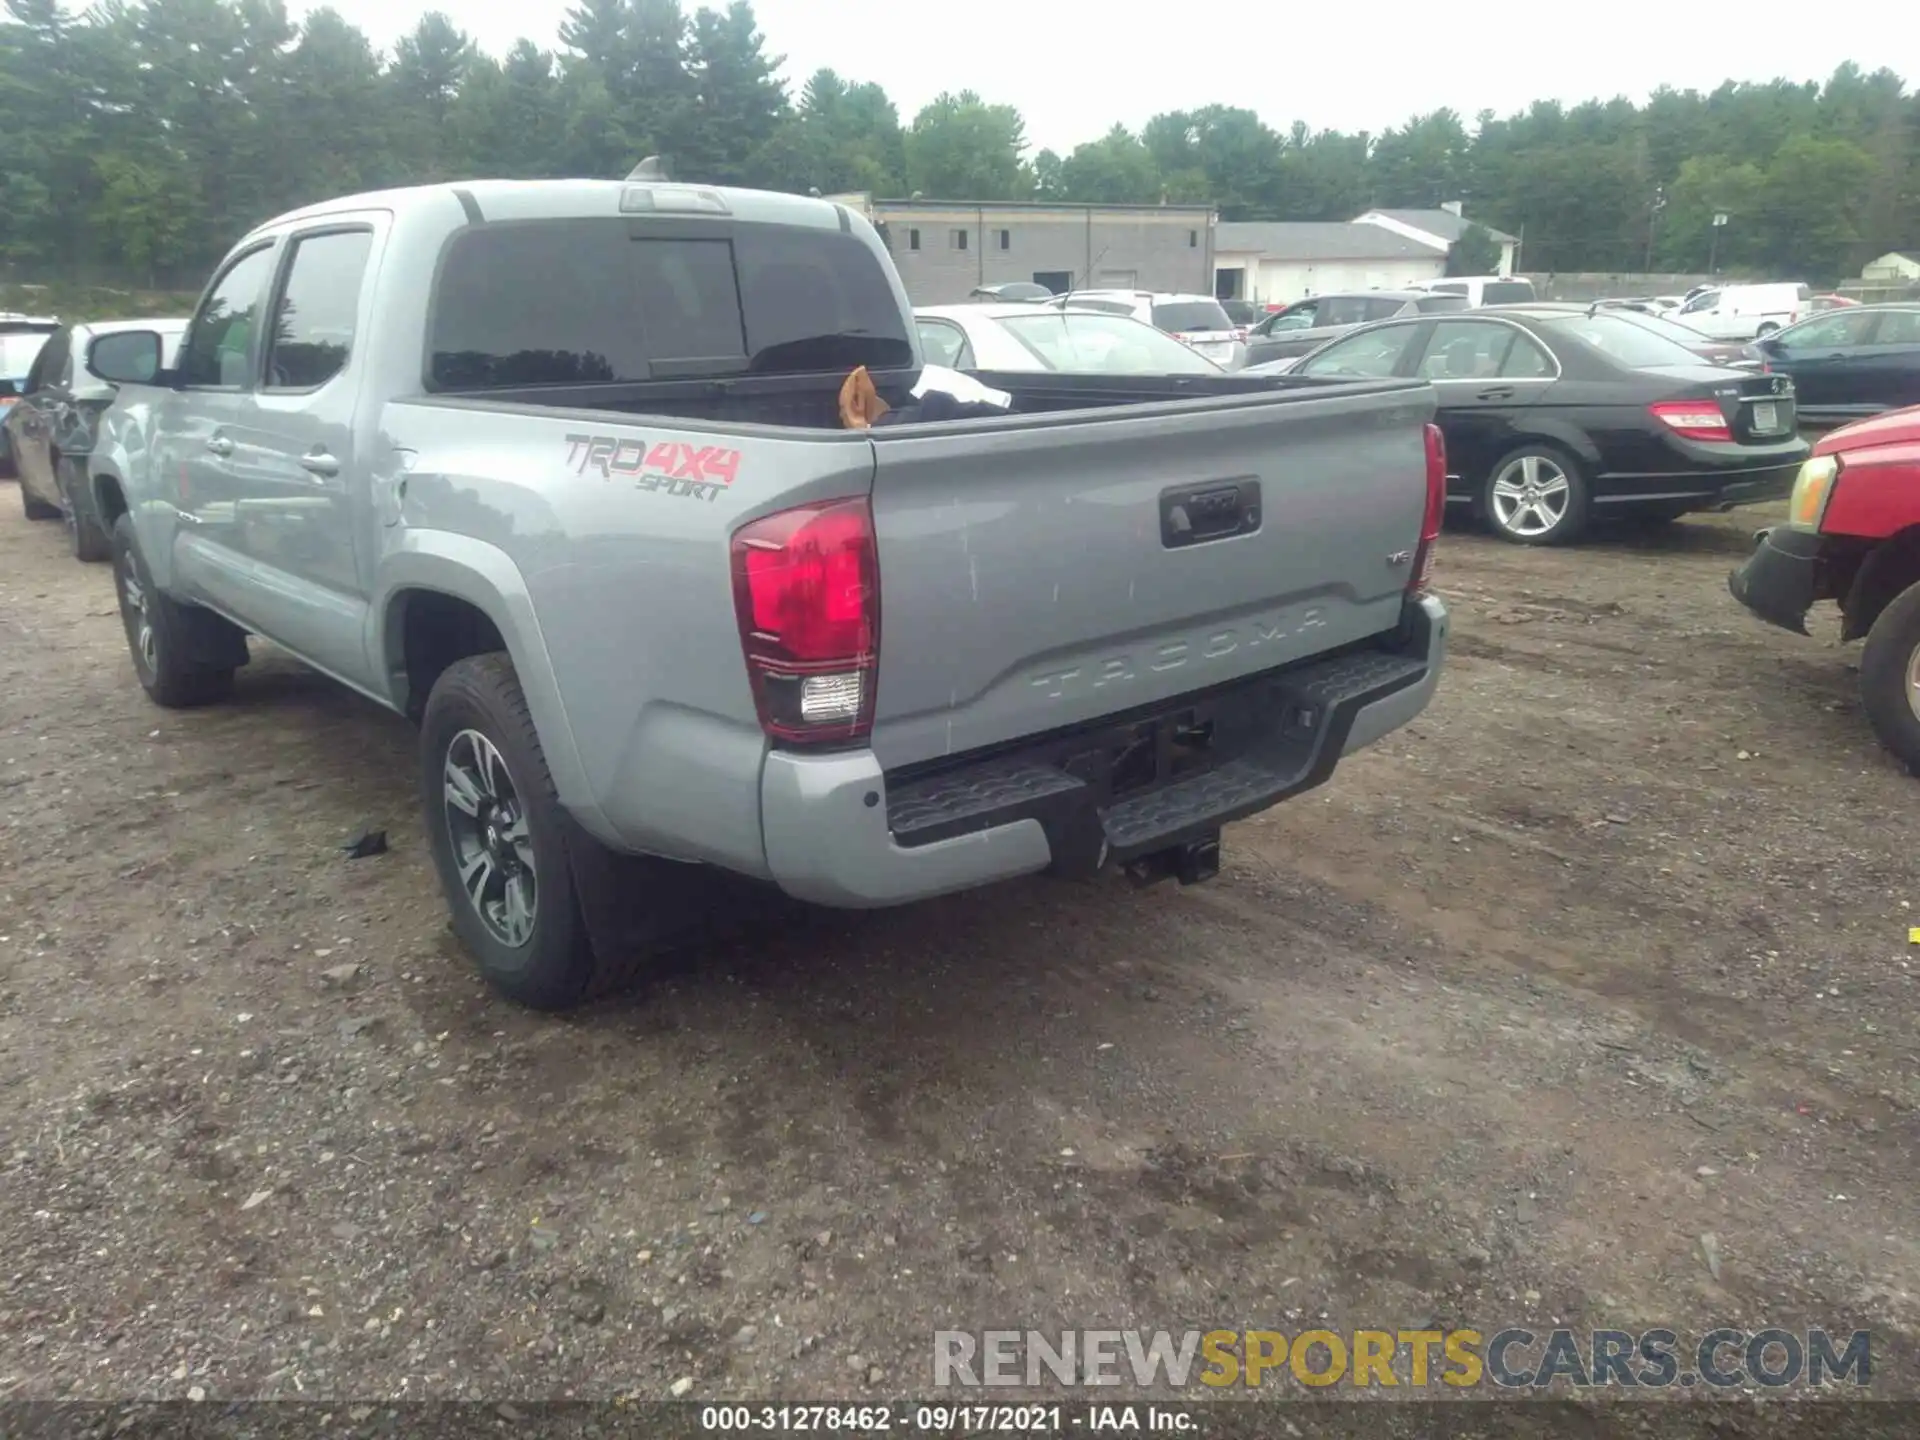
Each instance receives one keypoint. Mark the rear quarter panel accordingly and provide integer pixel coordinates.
(616, 534)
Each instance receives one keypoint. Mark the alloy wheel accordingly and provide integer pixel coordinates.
(1530, 496)
(137, 615)
(492, 846)
(1913, 682)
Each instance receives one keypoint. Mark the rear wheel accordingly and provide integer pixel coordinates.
(1765, 330)
(1890, 677)
(498, 837)
(182, 655)
(1536, 495)
(85, 536)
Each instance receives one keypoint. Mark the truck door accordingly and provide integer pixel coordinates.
(296, 453)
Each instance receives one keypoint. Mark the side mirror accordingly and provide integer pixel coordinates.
(126, 357)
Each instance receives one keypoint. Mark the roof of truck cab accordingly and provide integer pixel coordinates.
(563, 199)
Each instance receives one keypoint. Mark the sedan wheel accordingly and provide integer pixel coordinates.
(1536, 498)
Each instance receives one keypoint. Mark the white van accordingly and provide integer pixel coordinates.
(1745, 312)
(1484, 289)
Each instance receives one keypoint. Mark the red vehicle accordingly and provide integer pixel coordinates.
(1853, 535)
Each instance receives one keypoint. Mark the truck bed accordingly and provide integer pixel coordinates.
(812, 401)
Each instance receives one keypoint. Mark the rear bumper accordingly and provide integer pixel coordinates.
(838, 832)
(1778, 580)
(1709, 488)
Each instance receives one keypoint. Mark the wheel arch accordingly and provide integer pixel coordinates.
(1887, 571)
(449, 596)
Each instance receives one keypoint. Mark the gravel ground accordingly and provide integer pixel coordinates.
(1607, 952)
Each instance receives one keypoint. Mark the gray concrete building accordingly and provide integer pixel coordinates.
(944, 248)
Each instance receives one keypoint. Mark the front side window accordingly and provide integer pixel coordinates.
(1371, 353)
(221, 335)
(571, 302)
(318, 309)
(1105, 345)
(1705, 300)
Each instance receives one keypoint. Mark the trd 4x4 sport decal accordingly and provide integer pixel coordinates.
(698, 472)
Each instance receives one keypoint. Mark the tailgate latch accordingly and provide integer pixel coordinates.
(1210, 510)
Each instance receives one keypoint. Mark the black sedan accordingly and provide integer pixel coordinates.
(1551, 419)
(1851, 363)
(1306, 325)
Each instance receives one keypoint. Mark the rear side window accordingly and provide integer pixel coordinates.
(318, 310)
(1191, 317)
(1447, 304)
(50, 365)
(1449, 289)
(19, 348)
(1349, 310)
(568, 302)
(1898, 327)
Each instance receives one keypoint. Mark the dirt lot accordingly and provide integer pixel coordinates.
(1608, 951)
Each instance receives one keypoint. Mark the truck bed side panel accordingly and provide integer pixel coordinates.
(1027, 585)
(620, 533)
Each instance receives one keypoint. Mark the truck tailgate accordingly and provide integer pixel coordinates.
(1042, 571)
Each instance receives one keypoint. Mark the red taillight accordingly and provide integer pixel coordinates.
(1695, 419)
(1436, 511)
(806, 590)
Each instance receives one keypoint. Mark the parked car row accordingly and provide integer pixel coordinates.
(1554, 415)
(52, 424)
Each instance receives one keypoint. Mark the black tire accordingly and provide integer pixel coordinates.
(553, 967)
(1571, 522)
(34, 507)
(1765, 330)
(86, 537)
(1890, 677)
(182, 655)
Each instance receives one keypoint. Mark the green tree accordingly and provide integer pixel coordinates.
(962, 148)
(1116, 169)
(1476, 252)
(739, 101)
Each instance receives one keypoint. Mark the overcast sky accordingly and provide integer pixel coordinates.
(1074, 67)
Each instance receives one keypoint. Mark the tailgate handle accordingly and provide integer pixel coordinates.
(1211, 510)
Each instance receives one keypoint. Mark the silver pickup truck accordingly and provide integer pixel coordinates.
(556, 468)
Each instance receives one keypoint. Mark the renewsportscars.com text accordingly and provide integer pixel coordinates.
(1513, 1358)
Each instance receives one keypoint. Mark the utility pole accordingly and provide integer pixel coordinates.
(1653, 221)
(1713, 248)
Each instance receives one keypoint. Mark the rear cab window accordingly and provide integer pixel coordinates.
(601, 301)
(1506, 292)
(1191, 317)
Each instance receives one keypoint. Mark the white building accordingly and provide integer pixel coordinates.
(1439, 229)
(1278, 262)
(1894, 265)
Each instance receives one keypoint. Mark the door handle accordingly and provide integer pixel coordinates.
(1498, 392)
(220, 445)
(320, 463)
(1836, 357)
